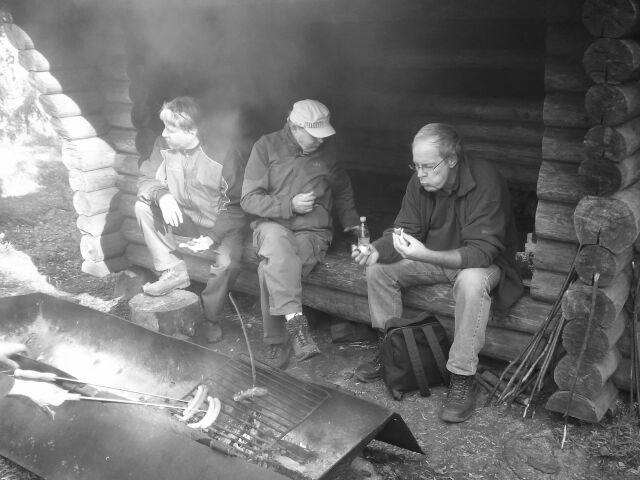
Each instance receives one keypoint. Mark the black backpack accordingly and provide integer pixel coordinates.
(414, 355)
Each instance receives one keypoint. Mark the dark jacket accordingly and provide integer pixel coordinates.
(478, 222)
(277, 171)
(206, 182)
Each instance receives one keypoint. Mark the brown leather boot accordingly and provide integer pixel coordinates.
(175, 277)
(304, 346)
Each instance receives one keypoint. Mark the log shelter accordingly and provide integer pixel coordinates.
(547, 91)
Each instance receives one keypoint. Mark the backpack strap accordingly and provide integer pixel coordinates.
(436, 350)
(416, 363)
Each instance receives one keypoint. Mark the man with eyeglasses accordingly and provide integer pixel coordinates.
(457, 228)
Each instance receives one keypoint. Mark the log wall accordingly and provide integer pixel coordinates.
(606, 217)
(68, 76)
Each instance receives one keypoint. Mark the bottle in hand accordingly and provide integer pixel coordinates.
(363, 236)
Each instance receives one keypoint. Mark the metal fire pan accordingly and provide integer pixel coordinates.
(93, 440)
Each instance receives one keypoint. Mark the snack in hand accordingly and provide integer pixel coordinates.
(400, 233)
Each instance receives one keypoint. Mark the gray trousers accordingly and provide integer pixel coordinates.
(285, 257)
(161, 241)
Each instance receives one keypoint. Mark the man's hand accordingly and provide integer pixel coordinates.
(408, 246)
(368, 257)
(7, 349)
(171, 212)
(303, 202)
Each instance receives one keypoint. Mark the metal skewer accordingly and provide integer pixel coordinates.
(51, 377)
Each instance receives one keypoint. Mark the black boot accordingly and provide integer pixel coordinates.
(371, 371)
(461, 400)
(304, 346)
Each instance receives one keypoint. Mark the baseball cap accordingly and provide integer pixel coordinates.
(313, 116)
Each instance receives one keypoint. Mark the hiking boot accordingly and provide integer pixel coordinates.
(461, 399)
(212, 332)
(371, 371)
(175, 277)
(277, 354)
(304, 346)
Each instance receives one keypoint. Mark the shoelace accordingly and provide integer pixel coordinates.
(273, 351)
(459, 388)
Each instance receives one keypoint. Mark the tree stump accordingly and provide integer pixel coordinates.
(176, 313)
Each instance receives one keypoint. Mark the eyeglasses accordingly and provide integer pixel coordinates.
(416, 167)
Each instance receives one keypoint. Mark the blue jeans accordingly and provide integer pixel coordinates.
(471, 293)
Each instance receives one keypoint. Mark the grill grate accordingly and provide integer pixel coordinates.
(253, 426)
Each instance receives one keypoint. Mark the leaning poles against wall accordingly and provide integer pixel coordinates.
(607, 222)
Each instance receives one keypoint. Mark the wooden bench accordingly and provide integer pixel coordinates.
(338, 287)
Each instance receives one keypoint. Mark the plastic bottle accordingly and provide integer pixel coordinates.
(363, 235)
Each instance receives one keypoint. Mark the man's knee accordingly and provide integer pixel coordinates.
(376, 273)
(271, 238)
(472, 281)
(142, 210)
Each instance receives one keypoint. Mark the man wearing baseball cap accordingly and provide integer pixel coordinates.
(292, 183)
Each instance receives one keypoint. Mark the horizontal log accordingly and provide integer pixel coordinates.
(92, 180)
(592, 376)
(93, 203)
(620, 18)
(560, 182)
(106, 267)
(621, 378)
(405, 126)
(64, 81)
(546, 286)
(79, 127)
(610, 177)
(396, 163)
(553, 255)
(132, 231)
(565, 110)
(338, 274)
(126, 205)
(88, 154)
(116, 91)
(563, 144)
(70, 105)
(460, 106)
(614, 143)
(123, 140)
(554, 221)
(567, 40)
(119, 115)
(600, 341)
(100, 224)
(594, 259)
(612, 60)
(128, 184)
(464, 58)
(564, 75)
(97, 249)
(609, 301)
(612, 222)
(17, 37)
(609, 104)
(582, 408)
(126, 164)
